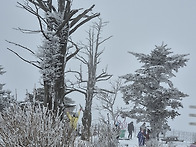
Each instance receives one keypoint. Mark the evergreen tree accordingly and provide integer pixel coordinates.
(5, 98)
(150, 90)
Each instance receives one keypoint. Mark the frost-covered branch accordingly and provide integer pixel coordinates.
(34, 125)
(27, 61)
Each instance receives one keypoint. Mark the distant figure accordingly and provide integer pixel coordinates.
(148, 134)
(130, 130)
(141, 138)
(143, 127)
(143, 130)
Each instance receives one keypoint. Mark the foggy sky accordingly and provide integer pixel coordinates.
(135, 25)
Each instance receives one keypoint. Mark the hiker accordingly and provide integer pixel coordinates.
(147, 134)
(130, 130)
(141, 138)
(143, 127)
(74, 119)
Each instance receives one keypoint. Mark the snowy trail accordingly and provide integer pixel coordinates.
(134, 143)
(130, 143)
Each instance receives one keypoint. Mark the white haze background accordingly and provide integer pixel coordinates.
(135, 25)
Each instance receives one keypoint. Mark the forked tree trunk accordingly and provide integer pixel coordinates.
(56, 25)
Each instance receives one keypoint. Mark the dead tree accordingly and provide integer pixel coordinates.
(87, 86)
(57, 22)
(108, 100)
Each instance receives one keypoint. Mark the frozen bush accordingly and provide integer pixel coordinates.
(34, 126)
(107, 136)
(153, 143)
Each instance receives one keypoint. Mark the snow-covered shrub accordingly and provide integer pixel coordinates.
(34, 126)
(156, 143)
(107, 136)
(83, 143)
(153, 143)
(171, 144)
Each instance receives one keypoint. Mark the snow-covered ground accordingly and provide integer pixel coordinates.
(134, 143)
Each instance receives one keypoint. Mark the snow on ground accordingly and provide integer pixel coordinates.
(134, 143)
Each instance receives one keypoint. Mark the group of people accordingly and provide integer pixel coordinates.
(143, 135)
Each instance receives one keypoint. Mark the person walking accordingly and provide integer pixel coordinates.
(130, 130)
(141, 138)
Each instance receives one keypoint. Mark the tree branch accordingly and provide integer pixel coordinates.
(26, 48)
(21, 46)
(105, 40)
(24, 59)
(73, 54)
(80, 16)
(40, 23)
(83, 22)
(41, 5)
(27, 31)
(103, 76)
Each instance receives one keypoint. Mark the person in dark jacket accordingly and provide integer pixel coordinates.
(130, 130)
(141, 138)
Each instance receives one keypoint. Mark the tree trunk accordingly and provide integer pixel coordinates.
(87, 115)
(86, 122)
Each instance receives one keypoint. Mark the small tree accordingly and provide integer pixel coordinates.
(5, 97)
(150, 90)
(108, 99)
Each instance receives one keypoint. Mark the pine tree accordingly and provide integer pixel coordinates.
(150, 90)
(5, 98)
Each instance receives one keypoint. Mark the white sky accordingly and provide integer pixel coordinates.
(136, 26)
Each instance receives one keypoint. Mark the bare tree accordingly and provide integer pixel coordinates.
(108, 100)
(57, 22)
(90, 58)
